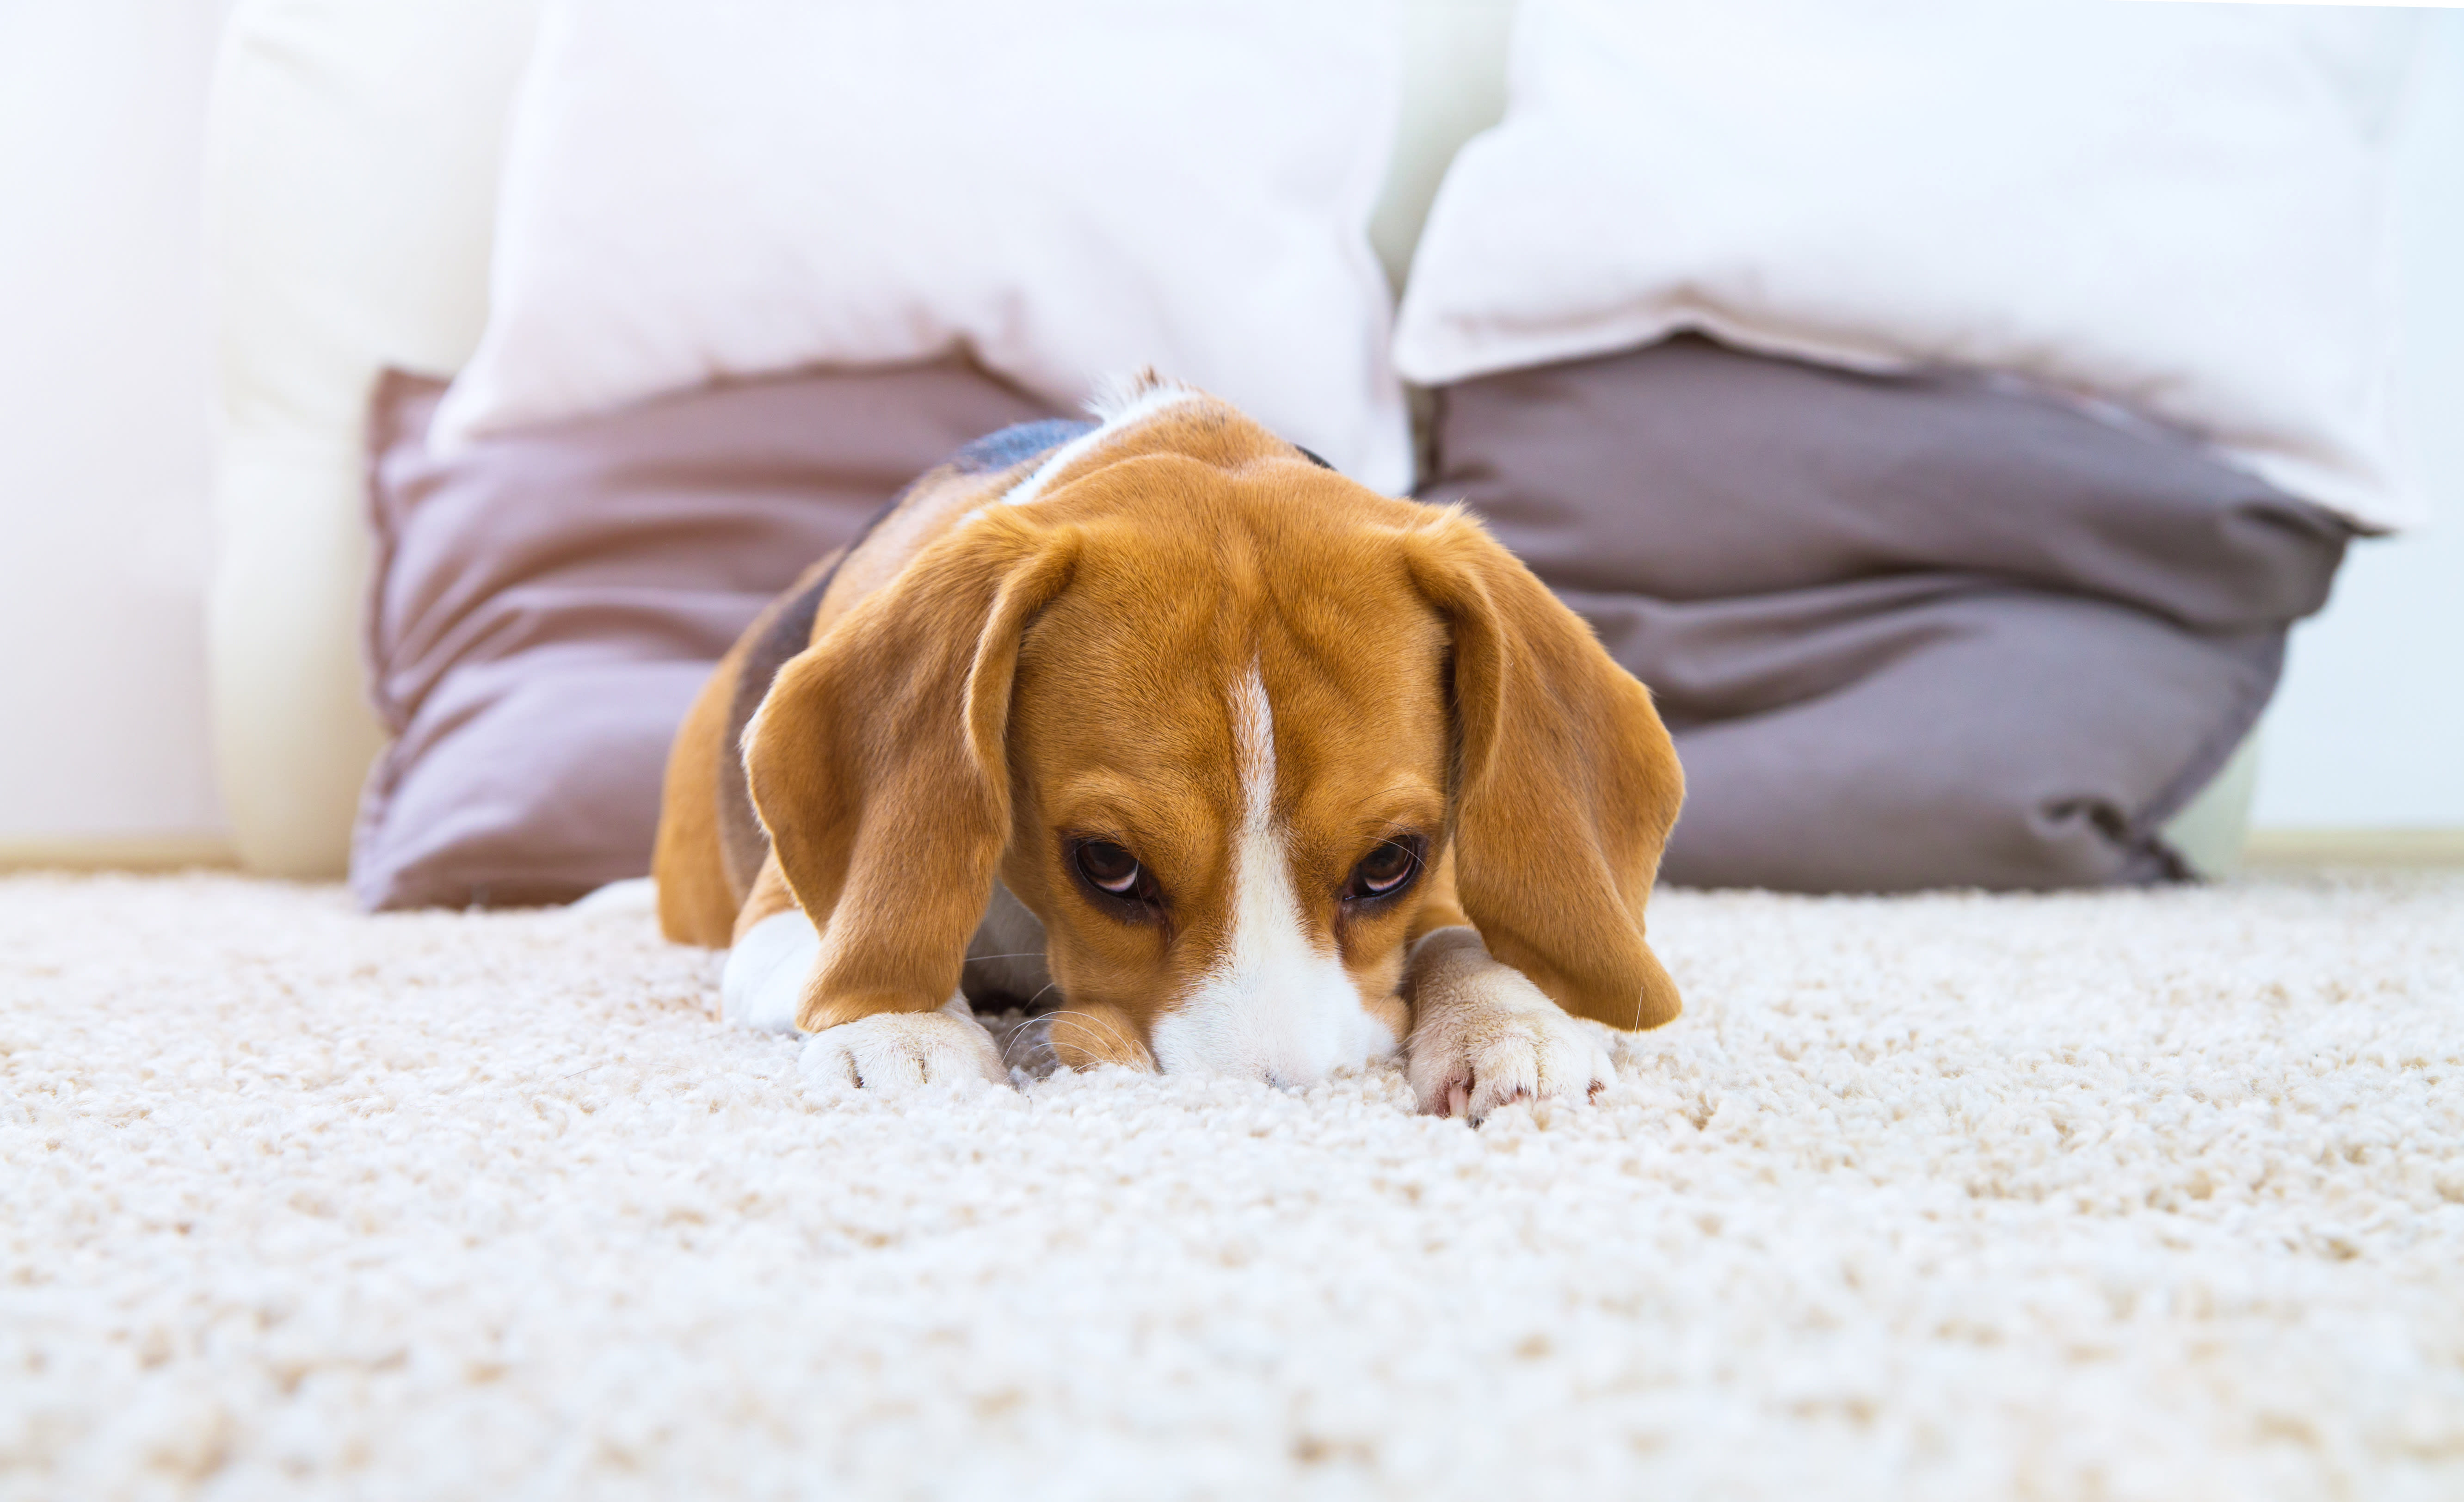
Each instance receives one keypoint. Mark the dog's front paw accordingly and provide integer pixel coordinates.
(1484, 1036)
(902, 1051)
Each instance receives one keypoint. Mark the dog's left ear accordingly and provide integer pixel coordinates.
(879, 765)
(1566, 785)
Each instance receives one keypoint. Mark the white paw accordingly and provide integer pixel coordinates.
(1484, 1036)
(763, 983)
(902, 1051)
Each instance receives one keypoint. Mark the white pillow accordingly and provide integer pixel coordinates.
(1070, 190)
(2180, 208)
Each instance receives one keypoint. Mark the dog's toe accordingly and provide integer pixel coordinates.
(896, 1053)
(1495, 1039)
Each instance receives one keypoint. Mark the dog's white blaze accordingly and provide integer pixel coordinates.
(1273, 1006)
(763, 982)
(1120, 411)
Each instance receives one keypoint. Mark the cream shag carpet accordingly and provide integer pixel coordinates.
(2139, 1196)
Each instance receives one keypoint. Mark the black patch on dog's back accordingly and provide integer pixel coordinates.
(1018, 443)
(742, 842)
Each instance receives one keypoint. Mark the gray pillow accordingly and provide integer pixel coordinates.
(546, 604)
(1909, 631)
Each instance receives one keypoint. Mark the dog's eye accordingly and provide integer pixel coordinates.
(1109, 867)
(1384, 871)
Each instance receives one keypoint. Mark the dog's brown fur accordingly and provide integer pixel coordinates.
(983, 680)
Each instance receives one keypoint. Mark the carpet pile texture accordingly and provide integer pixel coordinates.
(2147, 1195)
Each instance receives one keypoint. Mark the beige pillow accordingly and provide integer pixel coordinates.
(547, 602)
(1907, 631)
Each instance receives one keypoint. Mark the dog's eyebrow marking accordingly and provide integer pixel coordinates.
(1121, 410)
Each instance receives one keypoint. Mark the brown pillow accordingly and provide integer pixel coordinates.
(545, 605)
(1907, 631)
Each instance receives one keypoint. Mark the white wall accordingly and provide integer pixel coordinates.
(2367, 731)
(103, 531)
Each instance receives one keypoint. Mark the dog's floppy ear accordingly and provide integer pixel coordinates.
(1566, 785)
(879, 766)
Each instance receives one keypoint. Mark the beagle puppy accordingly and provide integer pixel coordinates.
(1245, 767)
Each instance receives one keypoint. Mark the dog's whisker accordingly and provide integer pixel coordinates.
(1106, 1025)
(1029, 1048)
(1041, 1057)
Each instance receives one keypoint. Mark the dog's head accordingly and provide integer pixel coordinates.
(1215, 714)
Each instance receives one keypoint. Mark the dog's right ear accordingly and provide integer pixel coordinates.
(878, 763)
(1567, 788)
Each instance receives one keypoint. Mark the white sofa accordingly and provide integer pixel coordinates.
(352, 169)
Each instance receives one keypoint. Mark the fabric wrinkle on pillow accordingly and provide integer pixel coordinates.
(1963, 734)
(547, 602)
(1064, 193)
(1907, 631)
